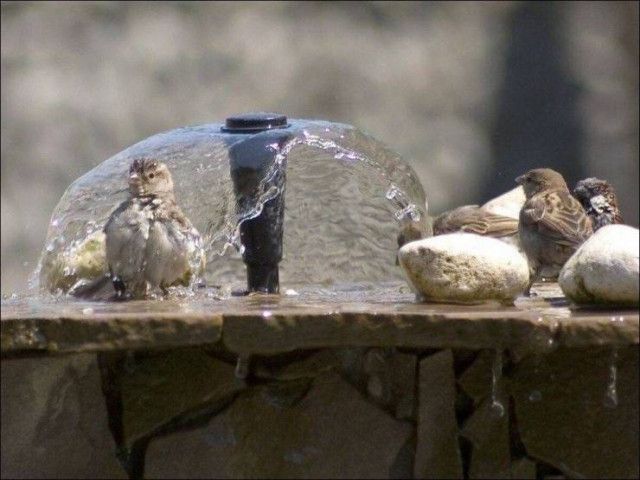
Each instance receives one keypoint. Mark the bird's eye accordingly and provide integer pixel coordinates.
(151, 175)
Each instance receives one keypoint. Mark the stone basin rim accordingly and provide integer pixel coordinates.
(288, 328)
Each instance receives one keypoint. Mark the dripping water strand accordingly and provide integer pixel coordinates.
(266, 191)
(611, 395)
(497, 408)
(242, 367)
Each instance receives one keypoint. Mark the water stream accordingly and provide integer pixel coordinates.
(611, 395)
(497, 407)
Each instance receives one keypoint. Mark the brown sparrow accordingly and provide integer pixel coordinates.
(599, 200)
(150, 243)
(552, 222)
(475, 219)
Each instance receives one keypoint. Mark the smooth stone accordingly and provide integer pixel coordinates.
(332, 432)
(508, 204)
(605, 269)
(54, 420)
(437, 449)
(577, 410)
(464, 268)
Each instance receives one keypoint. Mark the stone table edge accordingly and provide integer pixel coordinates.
(285, 330)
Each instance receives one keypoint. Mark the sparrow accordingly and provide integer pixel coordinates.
(599, 200)
(552, 222)
(475, 219)
(150, 243)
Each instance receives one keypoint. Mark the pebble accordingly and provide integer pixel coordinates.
(604, 269)
(464, 268)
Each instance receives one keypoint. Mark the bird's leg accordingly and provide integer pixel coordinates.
(119, 287)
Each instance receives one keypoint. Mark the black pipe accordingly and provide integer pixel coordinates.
(251, 161)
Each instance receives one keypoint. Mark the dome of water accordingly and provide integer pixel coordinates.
(346, 195)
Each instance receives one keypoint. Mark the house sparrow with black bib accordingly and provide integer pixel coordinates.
(150, 243)
(475, 219)
(552, 223)
(599, 200)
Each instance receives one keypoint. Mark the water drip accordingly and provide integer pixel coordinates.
(611, 395)
(242, 366)
(497, 407)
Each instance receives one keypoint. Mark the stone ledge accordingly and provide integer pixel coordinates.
(272, 324)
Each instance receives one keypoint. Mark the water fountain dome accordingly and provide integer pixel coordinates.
(345, 193)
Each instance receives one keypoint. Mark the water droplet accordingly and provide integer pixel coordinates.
(87, 311)
(497, 409)
(535, 396)
(291, 292)
(267, 313)
(392, 192)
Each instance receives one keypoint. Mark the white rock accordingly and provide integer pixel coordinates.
(507, 204)
(604, 269)
(464, 268)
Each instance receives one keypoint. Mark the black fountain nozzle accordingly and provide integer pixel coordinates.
(253, 172)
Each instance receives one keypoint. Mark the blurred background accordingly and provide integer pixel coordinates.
(471, 94)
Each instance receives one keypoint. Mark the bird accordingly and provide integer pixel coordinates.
(475, 219)
(552, 223)
(150, 243)
(599, 200)
(410, 231)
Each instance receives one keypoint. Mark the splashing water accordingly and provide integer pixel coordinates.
(497, 408)
(267, 191)
(611, 395)
(343, 192)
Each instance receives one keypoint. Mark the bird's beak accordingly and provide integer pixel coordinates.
(520, 180)
(133, 176)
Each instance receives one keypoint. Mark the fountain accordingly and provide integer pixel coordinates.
(343, 374)
(338, 225)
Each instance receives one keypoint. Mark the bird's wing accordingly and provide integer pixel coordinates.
(484, 223)
(474, 219)
(453, 220)
(557, 216)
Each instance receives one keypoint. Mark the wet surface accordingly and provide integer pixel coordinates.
(308, 317)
